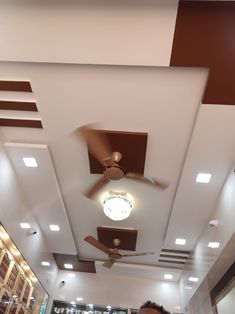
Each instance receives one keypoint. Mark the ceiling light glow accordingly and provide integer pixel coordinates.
(165, 285)
(72, 275)
(54, 228)
(214, 245)
(45, 263)
(30, 162)
(72, 302)
(68, 266)
(177, 307)
(25, 225)
(179, 241)
(203, 177)
(193, 279)
(117, 206)
(168, 276)
(109, 307)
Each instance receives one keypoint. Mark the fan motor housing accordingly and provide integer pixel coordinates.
(114, 172)
(115, 255)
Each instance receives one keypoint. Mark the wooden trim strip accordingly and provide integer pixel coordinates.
(21, 123)
(223, 283)
(174, 256)
(18, 105)
(172, 262)
(175, 251)
(15, 86)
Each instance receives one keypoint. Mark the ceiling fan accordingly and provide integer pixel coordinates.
(99, 147)
(113, 254)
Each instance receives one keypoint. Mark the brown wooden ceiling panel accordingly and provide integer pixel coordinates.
(18, 105)
(78, 265)
(15, 86)
(21, 123)
(204, 37)
(128, 237)
(132, 145)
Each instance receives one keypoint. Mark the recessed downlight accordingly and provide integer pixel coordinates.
(79, 299)
(30, 162)
(168, 276)
(68, 266)
(193, 279)
(54, 227)
(25, 225)
(203, 178)
(44, 263)
(214, 245)
(180, 241)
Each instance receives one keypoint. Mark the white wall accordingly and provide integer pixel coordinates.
(113, 290)
(88, 31)
(13, 206)
(213, 261)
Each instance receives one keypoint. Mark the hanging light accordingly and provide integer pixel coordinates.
(117, 205)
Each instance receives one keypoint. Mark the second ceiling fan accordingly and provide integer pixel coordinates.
(113, 254)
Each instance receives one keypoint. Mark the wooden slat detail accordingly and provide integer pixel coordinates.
(15, 86)
(21, 123)
(176, 251)
(18, 105)
(174, 256)
(171, 262)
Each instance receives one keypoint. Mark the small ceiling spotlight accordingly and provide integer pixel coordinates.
(193, 279)
(30, 162)
(68, 266)
(214, 245)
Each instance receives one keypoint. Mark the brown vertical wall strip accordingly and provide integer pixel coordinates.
(15, 86)
(18, 105)
(204, 37)
(21, 123)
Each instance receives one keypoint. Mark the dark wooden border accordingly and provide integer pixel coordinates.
(18, 105)
(128, 237)
(204, 37)
(132, 146)
(175, 251)
(15, 86)
(21, 123)
(222, 284)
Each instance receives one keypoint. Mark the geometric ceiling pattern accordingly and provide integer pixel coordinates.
(151, 84)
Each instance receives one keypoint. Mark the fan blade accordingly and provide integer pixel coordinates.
(96, 187)
(140, 178)
(100, 246)
(137, 254)
(109, 263)
(97, 144)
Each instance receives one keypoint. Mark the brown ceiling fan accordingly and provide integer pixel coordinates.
(113, 254)
(99, 147)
